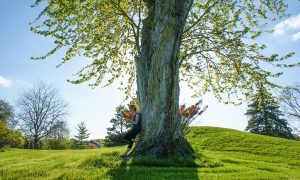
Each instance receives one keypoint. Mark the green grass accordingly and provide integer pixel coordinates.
(222, 154)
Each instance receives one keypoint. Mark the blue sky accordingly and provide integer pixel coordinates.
(96, 106)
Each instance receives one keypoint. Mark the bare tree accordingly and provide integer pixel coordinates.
(291, 103)
(41, 111)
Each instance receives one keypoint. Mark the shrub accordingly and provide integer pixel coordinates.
(57, 144)
(9, 137)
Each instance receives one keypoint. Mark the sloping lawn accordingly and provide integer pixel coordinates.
(221, 154)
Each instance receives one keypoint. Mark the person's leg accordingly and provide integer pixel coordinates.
(128, 136)
(126, 152)
(135, 133)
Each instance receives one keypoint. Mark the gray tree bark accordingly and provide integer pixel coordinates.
(157, 80)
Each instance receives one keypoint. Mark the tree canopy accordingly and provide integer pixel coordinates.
(218, 52)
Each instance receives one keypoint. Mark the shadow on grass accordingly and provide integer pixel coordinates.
(147, 168)
(154, 169)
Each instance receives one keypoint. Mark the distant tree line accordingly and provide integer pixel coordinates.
(40, 122)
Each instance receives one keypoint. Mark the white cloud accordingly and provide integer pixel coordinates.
(292, 23)
(5, 82)
(296, 36)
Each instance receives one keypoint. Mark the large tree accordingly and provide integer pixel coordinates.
(209, 44)
(41, 112)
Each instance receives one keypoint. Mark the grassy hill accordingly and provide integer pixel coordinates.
(222, 154)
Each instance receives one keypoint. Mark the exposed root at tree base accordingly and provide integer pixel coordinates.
(163, 150)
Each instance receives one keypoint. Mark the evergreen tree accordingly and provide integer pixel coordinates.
(81, 136)
(118, 124)
(265, 116)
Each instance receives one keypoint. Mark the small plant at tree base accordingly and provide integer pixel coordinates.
(189, 114)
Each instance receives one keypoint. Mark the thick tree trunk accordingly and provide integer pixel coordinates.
(35, 144)
(157, 80)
